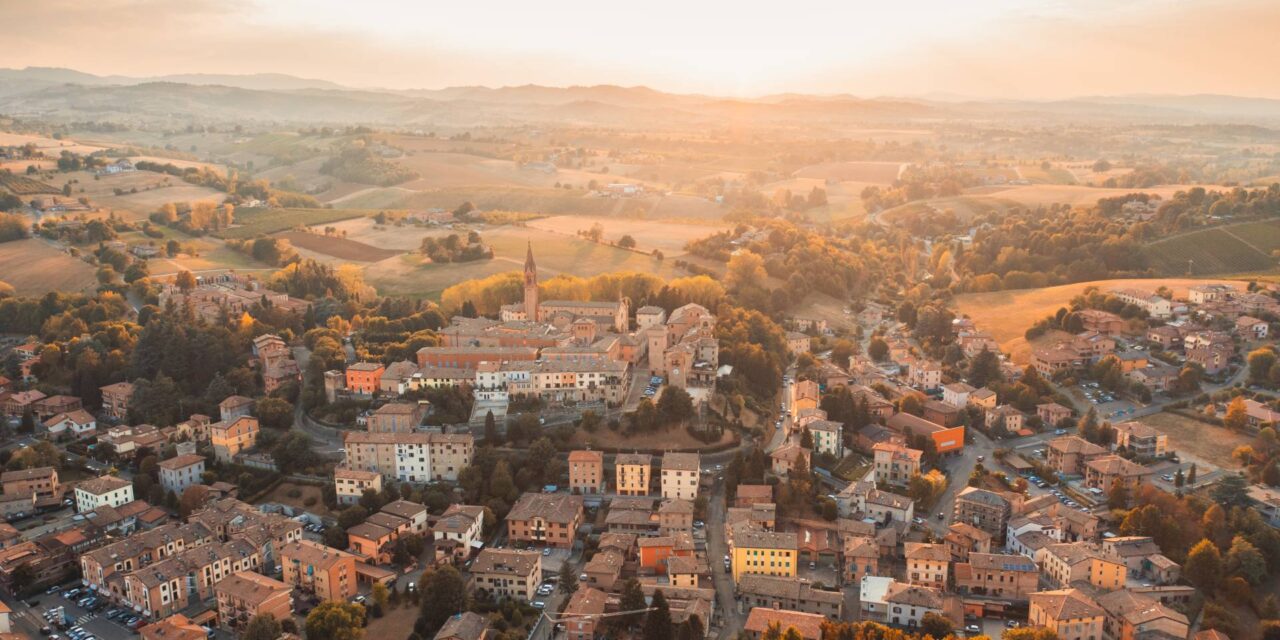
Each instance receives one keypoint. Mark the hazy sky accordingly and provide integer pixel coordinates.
(987, 48)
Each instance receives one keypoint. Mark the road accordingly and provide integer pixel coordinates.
(957, 471)
(717, 548)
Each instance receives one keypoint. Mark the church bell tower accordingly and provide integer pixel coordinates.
(530, 287)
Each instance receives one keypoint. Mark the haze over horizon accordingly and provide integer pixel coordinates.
(1012, 49)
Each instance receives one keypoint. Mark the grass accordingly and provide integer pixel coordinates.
(251, 222)
(34, 267)
(281, 494)
(673, 438)
(1198, 439)
(669, 237)
(338, 247)
(1052, 175)
(410, 275)
(1233, 249)
(1008, 314)
(21, 185)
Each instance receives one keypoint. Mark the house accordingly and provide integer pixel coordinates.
(894, 464)
(115, 399)
(396, 417)
(1165, 336)
(350, 484)
(797, 343)
(925, 375)
(1005, 417)
(245, 594)
(174, 627)
(1155, 306)
(1130, 616)
(761, 619)
(861, 558)
(582, 615)
(78, 424)
(828, 437)
(458, 529)
(373, 540)
(467, 625)
(230, 437)
(1213, 358)
(1068, 562)
(586, 472)
(632, 473)
(956, 394)
(983, 398)
(996, 575)
(364, 378)
(1069, 454)
(545, 519)
(1251, 328)
(757, 551)
(180, 472)
(1260, 415)
(507, 573)
(788, 458)
(103, 491)
(655, 551)
(675, 515)
(1103, 472)
(604, 570)
(1142, 557)
(963, 539)
(327, 573)
(1069, 613)
(50, 406)
(1262, 498)
(1155, 377)
(679, 475)
(942, 413)
(908, 604)
(1052, 413)
(233, 407)
(986, 510)
(1141, 439)
(749, 494)
(927, 564)
(40, 483)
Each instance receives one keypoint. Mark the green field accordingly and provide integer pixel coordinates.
(254, 222)
(1233, 249)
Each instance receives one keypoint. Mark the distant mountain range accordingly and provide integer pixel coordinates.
(56, 93)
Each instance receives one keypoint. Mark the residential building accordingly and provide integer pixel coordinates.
(586, 472)
(1132, 616)
(467, 625)
(927, 564)
(178, 473)
(350, 484)
(655, 552)
(115, 399)
(229, 438)
(908, 604)
(679, 475)
(632, 473)
(956, 394)
(1069, 562)
(763, 552)
(41, 482)
(945, 439)
(364, 378)
(1104, 471)
(1262, 498)
(174, 627)
(1069, 613)
(1052, 413)
(410, 457)
(396, 417)
(861, 558)
(313, 568)
(1141, 439)
(788, 458)
(894, 464)
(582, 616)
(457, 531)
(986, 510)
(233, 407)
(761, 619)
(749, 494)
(246, 594)
(545, 519)
(507, 573)
(1069, 454)
(109, 491)
(963, 539)
(828, 437)
(1012, 577)
(675, 515)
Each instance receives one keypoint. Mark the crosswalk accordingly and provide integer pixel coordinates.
(85, 618)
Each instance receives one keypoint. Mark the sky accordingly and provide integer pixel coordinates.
(1020, 49)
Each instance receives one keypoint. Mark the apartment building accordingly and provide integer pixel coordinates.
(42, 482)
(187, 577)
(396, 417)
(997, 575)
(1067, 455)
(109, 491)
(1069, 613)
(410, 457)
(230, 437)
(894, 464)
(631, 473)
(350, 484)
(679, 475)
(115, 399)
(986, 510)
(1069, 562)
(507, 573)
(458, 530)
(756, 551)
(313, 568)
(586, 472)
(245, 594)
(178, 473)
(545, 519)
(798, 594)
(364, 378)
(927, 564)
(1143, 440)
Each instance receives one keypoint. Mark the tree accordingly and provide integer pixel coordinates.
(878, 349)
(276, 413)
(1260, 363)
(380, 595)
(24, 577)
(185, 280)
(262, 627)
(568, 579)
(745, 271)
(292, 452)
(632, 600)
(444, 594)
(984, 369)
(193, 497)
(1237, 417)
(1029, 633)
(675, 404)
(1191, 476)
(627, 242)
(936, 625)
(1245, 561)
(335, 621)
(1118, 497)
(1203, 567)
(657, 623)
(1230, 490)
(491, 436)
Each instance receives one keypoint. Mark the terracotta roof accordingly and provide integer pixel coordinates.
(680, 461)
(582, 455)
(554, 507)
(926, 551)
(1066, 604)
(809, 625)
(180, 462)
(103, 484)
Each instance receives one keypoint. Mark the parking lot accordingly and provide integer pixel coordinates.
(1109, 405)
(80, 619)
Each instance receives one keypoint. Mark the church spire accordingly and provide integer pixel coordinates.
(528, 259)
(530, 287)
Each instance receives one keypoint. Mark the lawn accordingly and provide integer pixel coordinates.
(1198, 439)
(252, 222)
(1008, 314)
(34, 267)
(281, 495)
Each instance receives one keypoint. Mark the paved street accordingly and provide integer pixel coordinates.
(726, 604)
